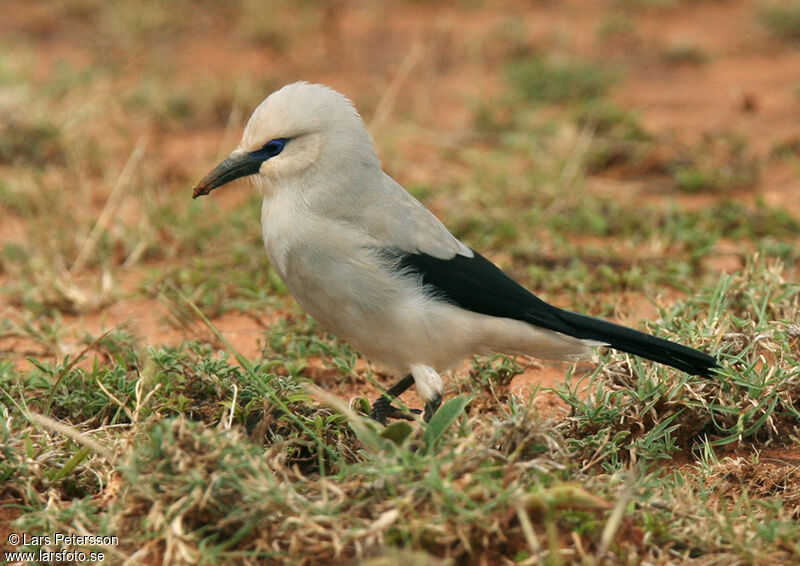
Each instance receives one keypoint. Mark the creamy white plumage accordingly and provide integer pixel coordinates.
(367, 260)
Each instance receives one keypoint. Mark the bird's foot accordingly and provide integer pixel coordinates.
(383, 410)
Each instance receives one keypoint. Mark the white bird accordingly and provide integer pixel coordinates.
(374, 266)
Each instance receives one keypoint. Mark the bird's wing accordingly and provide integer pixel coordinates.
(398, 220)
(476, 284)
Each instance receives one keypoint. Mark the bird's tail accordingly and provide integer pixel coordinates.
(638, 343)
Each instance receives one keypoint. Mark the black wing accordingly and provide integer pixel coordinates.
(478, 285)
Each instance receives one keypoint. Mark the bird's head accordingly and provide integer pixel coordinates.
(298, 128)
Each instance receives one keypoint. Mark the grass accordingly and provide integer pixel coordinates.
(179, 452)
(554, 80)
(689, 409)
(190, 451)
(720, 163)
(782, 19)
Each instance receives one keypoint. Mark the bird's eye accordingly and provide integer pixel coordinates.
(274, 147)
(270, 149)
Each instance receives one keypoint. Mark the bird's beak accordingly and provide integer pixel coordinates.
(238, 164)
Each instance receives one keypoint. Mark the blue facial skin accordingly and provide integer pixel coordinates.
(270, 149)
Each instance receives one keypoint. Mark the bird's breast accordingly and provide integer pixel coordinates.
(281, 227)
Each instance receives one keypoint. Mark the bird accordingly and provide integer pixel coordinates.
(371, 264)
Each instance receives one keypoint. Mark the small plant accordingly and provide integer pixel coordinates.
(26, 141)
(719, 163)
(783, 20)
(544, 80)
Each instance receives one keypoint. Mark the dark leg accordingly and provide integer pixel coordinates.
(382, 408)
(431, 407)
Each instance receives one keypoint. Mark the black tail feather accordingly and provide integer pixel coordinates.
(638, 343)
(476, 284)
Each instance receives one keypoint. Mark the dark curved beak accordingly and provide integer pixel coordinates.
(235, 166)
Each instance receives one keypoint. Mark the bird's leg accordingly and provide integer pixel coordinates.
(430, 388)
(382, 408)
(431, 407)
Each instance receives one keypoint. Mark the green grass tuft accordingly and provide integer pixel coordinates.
(543, 80)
